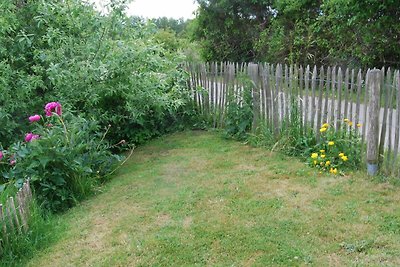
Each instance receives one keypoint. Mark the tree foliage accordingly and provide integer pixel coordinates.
(345, 32)
(228, 30)
(176, 25)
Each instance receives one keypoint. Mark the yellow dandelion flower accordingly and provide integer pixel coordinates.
(350, 123)
(346, 120)
(323, 156)
(323, 129)
(331, 143)
(325, 125)
(345, 158)
(322, 151)
(314, 155)
(315, 162)
(359, 125)
(333, 170)
(327, 163)
(341, 154)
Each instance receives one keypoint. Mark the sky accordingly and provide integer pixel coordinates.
(163, 8)
(159, 8)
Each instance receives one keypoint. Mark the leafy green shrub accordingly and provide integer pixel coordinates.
(65, 157)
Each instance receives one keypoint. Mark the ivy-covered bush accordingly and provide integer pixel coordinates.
(64, 155)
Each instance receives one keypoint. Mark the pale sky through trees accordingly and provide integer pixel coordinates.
(158, 8)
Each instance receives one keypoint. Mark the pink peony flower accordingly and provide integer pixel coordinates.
(1, 155)
(28, 137)
(34, 118)
(53, 107)
(35, 137)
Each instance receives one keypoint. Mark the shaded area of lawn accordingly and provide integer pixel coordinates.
(194, 198)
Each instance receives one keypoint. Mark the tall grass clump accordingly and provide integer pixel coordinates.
(43, 230)
(289, 136)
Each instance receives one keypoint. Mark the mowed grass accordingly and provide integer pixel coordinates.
(195, 199)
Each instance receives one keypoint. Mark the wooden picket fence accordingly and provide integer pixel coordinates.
(15, 213)
(370, 98)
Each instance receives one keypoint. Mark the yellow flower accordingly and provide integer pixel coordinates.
(314, 155)
(331, 143)
(315, 162)
(323, 156)
(333, 170)
(327, 163)
(359, 125)
(323, 129)
(341, 154)
(346, 120)
(322, 151)
(345, 158)
(325, 125)
(350, 123)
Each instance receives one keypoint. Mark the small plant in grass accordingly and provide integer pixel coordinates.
(337, 150)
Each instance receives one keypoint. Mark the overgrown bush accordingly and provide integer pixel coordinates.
(107, 68)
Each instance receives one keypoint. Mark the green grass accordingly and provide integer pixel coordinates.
(194, 198)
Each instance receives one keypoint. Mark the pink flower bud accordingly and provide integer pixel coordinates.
(34, 118)
(12, 162)
(1, 155)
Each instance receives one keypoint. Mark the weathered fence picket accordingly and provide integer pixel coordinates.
(14, 214)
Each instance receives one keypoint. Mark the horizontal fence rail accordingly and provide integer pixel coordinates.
(317, 95)
(14, 214)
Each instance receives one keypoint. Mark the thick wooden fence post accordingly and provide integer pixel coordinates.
(373, 125)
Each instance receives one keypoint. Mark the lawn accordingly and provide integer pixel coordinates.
(194, 198)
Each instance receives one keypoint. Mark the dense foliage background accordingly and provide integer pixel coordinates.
(346, 32)
(110, 68)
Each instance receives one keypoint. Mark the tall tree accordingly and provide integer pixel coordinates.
(228, 29)
(362, 32)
